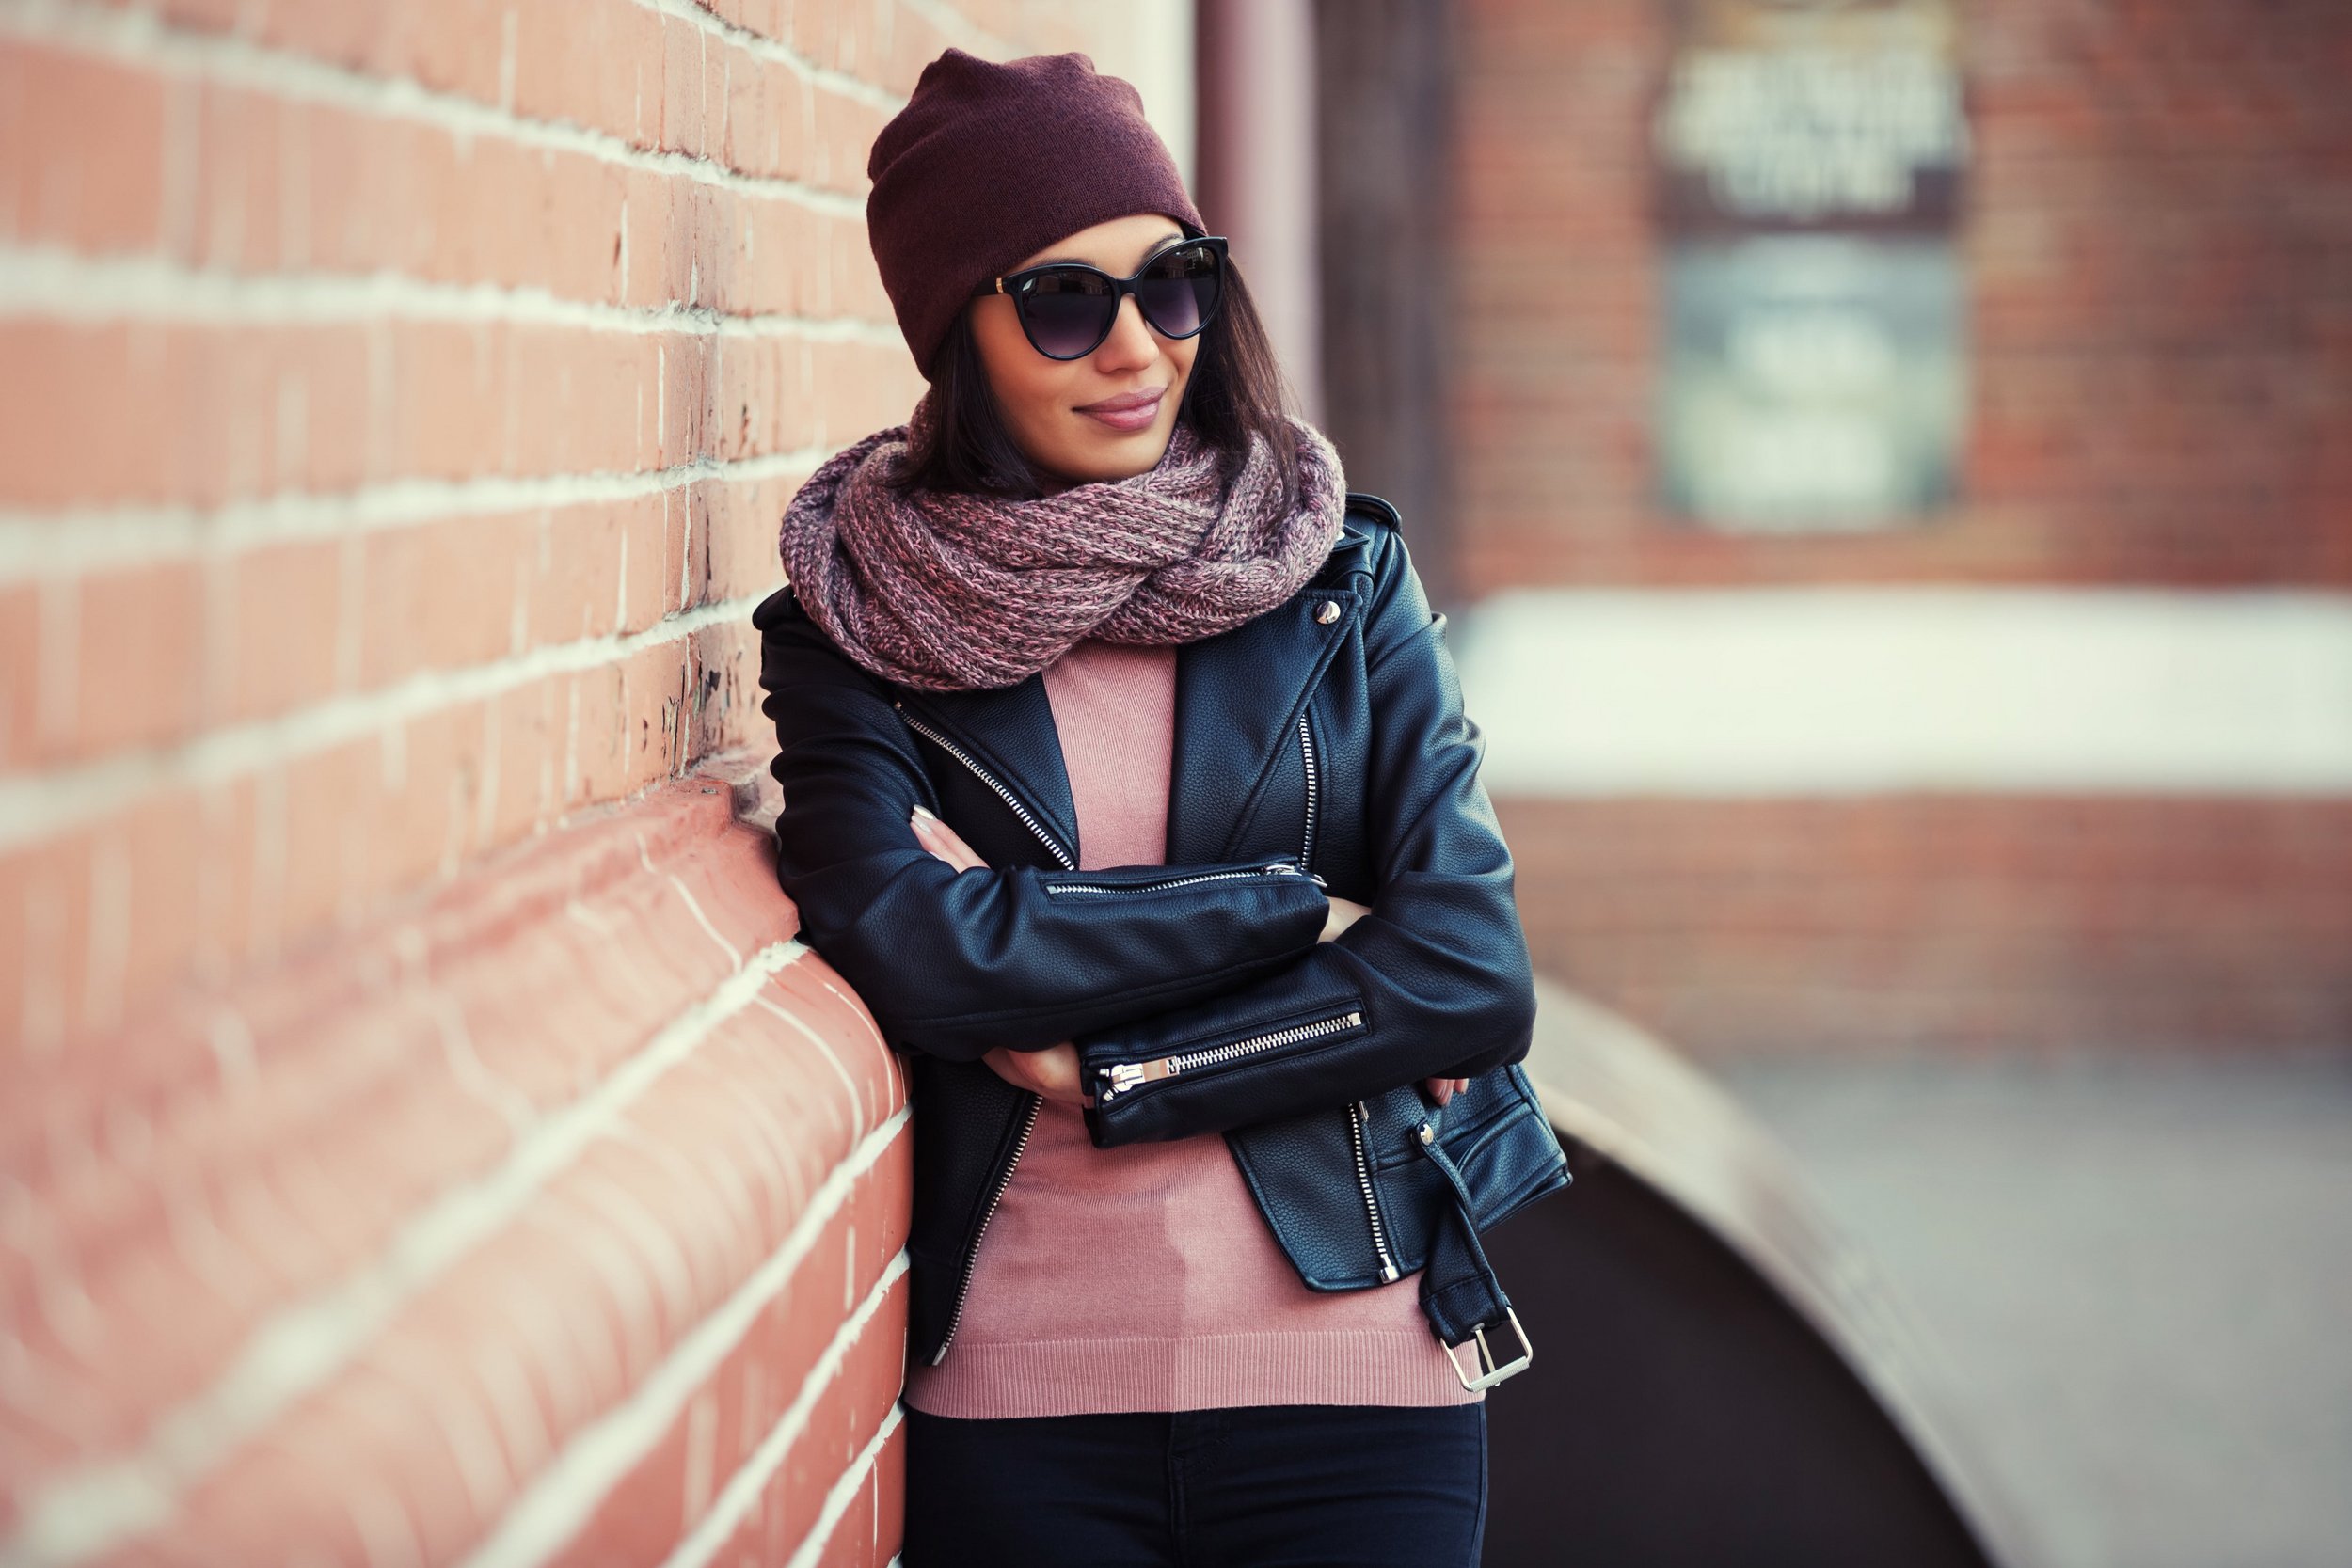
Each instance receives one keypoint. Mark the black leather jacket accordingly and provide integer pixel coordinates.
(1321, 744)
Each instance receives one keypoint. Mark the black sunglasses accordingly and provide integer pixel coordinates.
(1067, 307)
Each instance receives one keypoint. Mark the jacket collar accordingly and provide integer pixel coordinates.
(1238, 696)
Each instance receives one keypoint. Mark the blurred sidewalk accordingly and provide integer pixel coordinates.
(2141, 1271)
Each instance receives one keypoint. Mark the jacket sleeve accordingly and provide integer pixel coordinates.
(955, 963)
(1434, 982)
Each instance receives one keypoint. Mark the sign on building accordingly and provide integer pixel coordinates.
(1809, 161)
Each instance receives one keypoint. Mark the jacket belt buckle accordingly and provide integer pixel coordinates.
(1489, 1374)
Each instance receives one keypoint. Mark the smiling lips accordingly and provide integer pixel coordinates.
(1128, 410)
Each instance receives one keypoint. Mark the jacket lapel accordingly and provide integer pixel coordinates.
(1010, 730)
(1237, 700)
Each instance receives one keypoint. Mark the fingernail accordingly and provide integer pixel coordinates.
(919, 811)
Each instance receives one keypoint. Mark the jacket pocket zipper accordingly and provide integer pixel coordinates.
(964, 1286)
(1120, 1077)
(1028, 819)
(1358, 1119)
(1274, 868)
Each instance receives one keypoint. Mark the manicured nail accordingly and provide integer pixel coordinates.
(920, 811)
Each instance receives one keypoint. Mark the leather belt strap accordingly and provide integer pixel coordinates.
(1459, 1290)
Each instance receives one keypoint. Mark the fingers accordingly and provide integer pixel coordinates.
(1445, 1089)
(1343, 913)
(944, 842)
(1055, 1071)
(1052, 1073)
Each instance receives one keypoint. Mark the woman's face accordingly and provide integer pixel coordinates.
(1045, 402)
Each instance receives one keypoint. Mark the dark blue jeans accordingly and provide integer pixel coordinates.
(1248, 1486)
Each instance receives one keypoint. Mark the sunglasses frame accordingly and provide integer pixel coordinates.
(1014, 282)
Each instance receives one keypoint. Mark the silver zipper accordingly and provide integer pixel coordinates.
(1123, 1076)
(964, 1286)
(1276, 868)
(1027, 819)
(1358, 1117)
(1306, 755)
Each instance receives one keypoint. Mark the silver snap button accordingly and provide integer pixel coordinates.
(1327, 613)
(1426, 1135)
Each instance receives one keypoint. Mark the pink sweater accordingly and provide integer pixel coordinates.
(1143, 1277)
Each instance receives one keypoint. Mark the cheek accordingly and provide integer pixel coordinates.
(1036, 402)
(1182, 353)
(1028, 386)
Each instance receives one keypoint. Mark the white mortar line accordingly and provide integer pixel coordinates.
(550, 1512)
(39, 807)
(742, 1494)
(296, 1349)
(676, 881)
(58, 282)
(140, 39)
(50, 545)
(845, 1491)
(767, 48)
(824, 1048)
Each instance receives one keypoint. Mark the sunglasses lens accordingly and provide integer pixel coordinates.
(1067, 312)
(1179, 292)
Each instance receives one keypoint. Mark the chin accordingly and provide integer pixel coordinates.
(1115, 456)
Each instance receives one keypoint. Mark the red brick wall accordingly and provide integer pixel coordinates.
(423, 1132)
(2158, 264)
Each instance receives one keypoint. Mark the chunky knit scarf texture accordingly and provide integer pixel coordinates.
(955, 591)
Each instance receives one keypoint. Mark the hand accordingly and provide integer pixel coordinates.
(1053, 1071)
(944, 842)
(1344, 913)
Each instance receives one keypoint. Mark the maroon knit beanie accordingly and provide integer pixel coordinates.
(991, 162)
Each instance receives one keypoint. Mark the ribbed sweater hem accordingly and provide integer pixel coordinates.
(1201, 1372)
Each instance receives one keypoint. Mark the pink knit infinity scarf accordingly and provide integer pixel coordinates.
(953, 589)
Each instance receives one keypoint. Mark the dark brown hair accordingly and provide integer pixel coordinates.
(1235, 393)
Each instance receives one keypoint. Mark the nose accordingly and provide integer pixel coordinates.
(1131, 341)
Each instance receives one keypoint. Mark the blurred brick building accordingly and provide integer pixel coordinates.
(2058, 755)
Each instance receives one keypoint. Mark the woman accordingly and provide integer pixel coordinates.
(1060, 659)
